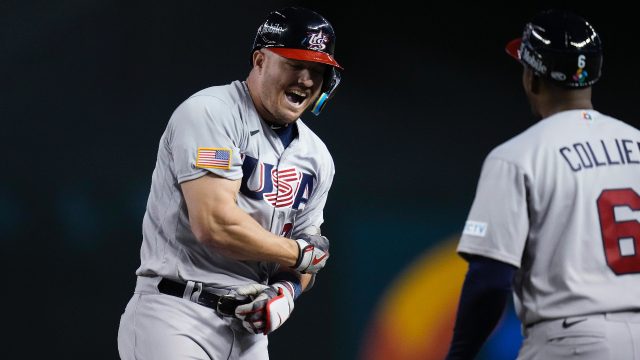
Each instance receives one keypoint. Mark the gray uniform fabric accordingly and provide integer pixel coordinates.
(224, 117)
(155, 326)
(217, 130)
(561, 202)
(608, 336)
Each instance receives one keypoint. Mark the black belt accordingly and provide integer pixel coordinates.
(223, 304)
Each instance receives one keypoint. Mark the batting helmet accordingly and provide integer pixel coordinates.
(301, 34)
(562, 47)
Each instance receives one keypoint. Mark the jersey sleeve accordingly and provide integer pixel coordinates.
(312, 213)
(205, 138)
(498, 223)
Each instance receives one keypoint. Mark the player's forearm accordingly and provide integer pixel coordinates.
(484, 297)
(303, 279)
(236, 234)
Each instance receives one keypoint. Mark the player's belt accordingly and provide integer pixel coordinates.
(223, 304)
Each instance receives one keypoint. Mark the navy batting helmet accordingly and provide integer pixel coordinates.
(302, 34)
(562, 47)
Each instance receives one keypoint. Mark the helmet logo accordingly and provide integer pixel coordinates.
(535, 63)
(272, 28)
(581, 74)
(318, 41)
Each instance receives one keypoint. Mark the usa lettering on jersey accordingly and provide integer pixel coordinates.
(280, 188)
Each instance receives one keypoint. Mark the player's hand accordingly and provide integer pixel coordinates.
(313, 252)
(270, 308)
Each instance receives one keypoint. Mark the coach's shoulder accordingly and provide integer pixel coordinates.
(518, 147)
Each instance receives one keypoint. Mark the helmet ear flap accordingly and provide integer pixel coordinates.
(331, 80)
(329, 85)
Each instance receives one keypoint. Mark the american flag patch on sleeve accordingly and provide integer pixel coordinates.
(214, 158)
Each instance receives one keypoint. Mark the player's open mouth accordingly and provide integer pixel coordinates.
(296, 97)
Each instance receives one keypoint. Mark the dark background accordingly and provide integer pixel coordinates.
(87, 89)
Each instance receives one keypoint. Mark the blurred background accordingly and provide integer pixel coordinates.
(88, 87)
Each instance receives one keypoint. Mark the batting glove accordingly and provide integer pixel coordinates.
(313, 252)
(270, 308)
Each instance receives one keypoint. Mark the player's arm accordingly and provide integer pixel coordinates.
(484, 296)
(217, 221)
(271, 305)
(304, 279)
(310, 219)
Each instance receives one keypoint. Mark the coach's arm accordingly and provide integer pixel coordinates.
(483, 300)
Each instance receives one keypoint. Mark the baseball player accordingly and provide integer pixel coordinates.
(556, 213)
(231, 233)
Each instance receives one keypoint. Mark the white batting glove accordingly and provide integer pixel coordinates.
(270, 308)
(312, 254)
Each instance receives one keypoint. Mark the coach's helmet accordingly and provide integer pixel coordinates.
(560, 46)
(301, 34)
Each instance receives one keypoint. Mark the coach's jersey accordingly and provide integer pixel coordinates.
(561, 201)
(218, 130)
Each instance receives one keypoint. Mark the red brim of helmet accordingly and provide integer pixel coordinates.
(306, 55)
(513, 48)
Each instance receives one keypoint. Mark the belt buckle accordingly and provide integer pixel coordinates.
(221, 303)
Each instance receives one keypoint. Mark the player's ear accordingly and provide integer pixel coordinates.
(258, 58)
(536, 83)
(530, 81)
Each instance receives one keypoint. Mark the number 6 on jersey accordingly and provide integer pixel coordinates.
(621, 239)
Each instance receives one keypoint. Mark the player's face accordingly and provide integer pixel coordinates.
(287, 87)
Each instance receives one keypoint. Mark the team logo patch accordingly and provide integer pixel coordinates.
(475, 228)
(587, 116)
(214, 158)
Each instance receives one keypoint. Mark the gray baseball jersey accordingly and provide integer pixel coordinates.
(561, 201)
(219, 131)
